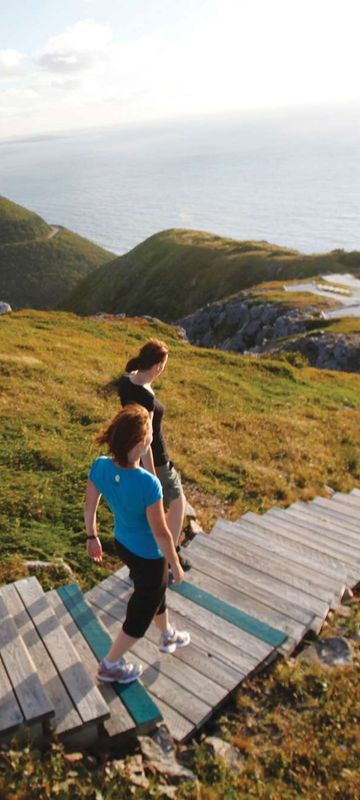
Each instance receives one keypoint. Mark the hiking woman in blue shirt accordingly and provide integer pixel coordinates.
(142, 537)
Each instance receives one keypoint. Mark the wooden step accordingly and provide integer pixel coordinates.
(323, 516)
(260, 585)
(137, 701)
(335, 512)
(347, 499)
(31, 699)
(325, 540)
(223, 537)
(85, 696)
(120, 722)
(328, 529)
(66, 719)
(355, 492)
(258, 537)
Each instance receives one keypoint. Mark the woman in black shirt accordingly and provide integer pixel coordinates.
(135, 387)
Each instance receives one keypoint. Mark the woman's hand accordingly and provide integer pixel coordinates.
(177, 573)
(94, 549)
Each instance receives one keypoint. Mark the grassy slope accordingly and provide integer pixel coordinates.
(37, 271)
(18, 224)
(254, 434)
(250, 433)
(177, 271)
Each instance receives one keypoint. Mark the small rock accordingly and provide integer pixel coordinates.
(334, 651)
(221, 749)
(159, 754)
(5, 308)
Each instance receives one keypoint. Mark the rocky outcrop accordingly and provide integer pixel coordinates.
(4, 307)
(243, 324)
(329, 350)
(247, 325)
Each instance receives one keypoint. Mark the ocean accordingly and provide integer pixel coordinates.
(292, 179)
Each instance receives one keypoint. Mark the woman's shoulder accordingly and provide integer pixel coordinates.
(147, 478)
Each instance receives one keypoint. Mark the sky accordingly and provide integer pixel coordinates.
(72, 64)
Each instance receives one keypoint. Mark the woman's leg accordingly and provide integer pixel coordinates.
(122, 643)
(175, 517)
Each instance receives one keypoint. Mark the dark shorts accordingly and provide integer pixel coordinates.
(170, 481)
(150, 576)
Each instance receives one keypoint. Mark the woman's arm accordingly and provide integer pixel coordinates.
(147, 459)
(162, 534)
(92, 500)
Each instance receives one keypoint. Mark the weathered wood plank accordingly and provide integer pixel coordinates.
(229, 571)
(142, 709)
(259, 538)
(11, 716)
(120, 720)
(66, 717)
(30, 694)
(289, 539)
(270, 577)
(321, 542)
(295, 575)
(85, 696)
(355, 492)
(348, 522)
(325, 528)
(320, 514)
(347, 510)
(345, 499)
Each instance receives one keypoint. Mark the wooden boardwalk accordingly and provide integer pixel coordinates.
(256, 587)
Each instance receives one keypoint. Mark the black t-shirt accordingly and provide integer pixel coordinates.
(132, 393)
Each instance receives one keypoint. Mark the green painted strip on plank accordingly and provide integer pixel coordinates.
(229, 613)
(138, 702)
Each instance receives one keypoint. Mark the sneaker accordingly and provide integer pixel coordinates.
(184, 561)
(121, 672)
(173, 639)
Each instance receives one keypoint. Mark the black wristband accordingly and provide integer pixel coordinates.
(91, 537)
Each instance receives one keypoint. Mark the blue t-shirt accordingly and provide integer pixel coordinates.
(128, 493)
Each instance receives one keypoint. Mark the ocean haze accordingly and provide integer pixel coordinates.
(283, 178)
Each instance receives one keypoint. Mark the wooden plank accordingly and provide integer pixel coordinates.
(346, 509)
(30, 694)
(355, 492)
(331, 512)
(352, 499)
(176, 697)
(66, 717)
(266, 579)
(206, 627)
(11, 716)
(228, 571)
(140, 706)
(245, 641)
(321, 542)
(285, 636)
(276, 565)
(120, 721)
(258, 536)
(348, 515)
(291, 540)
(320, 514)
(326, 528)
(85, 696)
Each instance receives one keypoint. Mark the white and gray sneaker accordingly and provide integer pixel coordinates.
(120, 671)
(173, 639)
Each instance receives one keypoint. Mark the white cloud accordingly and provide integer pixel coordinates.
(11, 62)
(80, 48)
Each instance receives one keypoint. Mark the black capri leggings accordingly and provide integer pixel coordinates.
(150, 576)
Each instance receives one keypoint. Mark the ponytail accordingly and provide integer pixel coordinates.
(153, 352)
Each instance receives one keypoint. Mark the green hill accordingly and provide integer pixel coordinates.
(246, 434)
(40, 264)
(175, 272)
